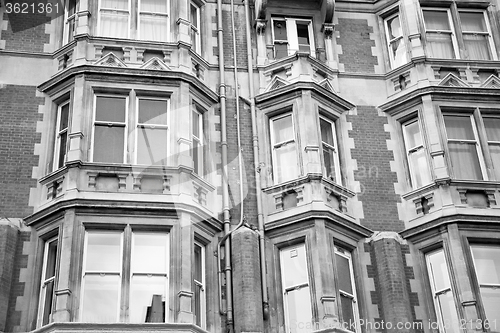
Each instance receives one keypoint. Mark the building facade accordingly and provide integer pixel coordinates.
(275, 166)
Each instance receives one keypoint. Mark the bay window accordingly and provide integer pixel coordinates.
(199, 285)
(331, 165)
(296, 290)
(61, 139)
(416, 154)
(291, 35)
(284, 151)
(47, 285)
(395, 40)
(125, 277)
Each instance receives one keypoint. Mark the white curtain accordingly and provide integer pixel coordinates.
(440, 44)
(153, 19)
(114, 18)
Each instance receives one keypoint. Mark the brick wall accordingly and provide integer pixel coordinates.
(374, 171)
(19, 112)
(30, 34)
(8, 244)
(354, 38)
(240, 27)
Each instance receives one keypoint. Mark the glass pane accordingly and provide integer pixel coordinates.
(197, 304)
(464, 160)
(344, 274)
(294, 266)
(491, 303)
(436, 20)
(147, 299)
(62, 149)
(194, 15)
(50, 268)
(110, 109)
(47, 302)
(115, 4)
(101, 294)
(279, 30)
(487, 264)
(281, 50)
(328, 156)
(153, 27)
(283, 129)
(299, 310)
(151, 145)
(326, 132)
(398, 52)
(438, 271)
(198, 263)
(477, 46)
(71, 4)
(196, 155)
(64, 117)
(449, 312)
(286, 163)
(114, 24)
(196, 124)
(108, 144)
(440, 45)
(347, 311)
(459, 128)
(495, 156)
(303, 36)
(394, 28)
(492, 126)
(149, 253)
(419, 168)
(153, 112)
(472, 21)
(103, 252)
(154, 6)
(412, 135)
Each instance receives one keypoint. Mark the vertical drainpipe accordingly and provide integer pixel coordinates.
(255, 141)
(225, 186)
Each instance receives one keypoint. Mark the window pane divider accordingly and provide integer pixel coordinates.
(296, 287)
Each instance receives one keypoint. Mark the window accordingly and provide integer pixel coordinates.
(284, 152)
(291, 35)
(346, 286)
(125, 277)
(295, 284)
(463, 147)
(153, 16)
(395, 41)
(492, 128)
(197, 141)
(194, 17)
(199, 285)
(111, 132)
(487, 267)
(416, 154)
(441, 292)
(331, 165)
(443, 37)
(69, 21)
(47, 285)
(61, 140)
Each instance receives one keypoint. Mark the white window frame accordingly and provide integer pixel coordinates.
(147, 13)
(202, 285)
(292, 36)
(125, 125)
(487, 33)
(198, 169)
(196, 30)
(414, 170)
(99, 20)
(451, 32)
(389, 41)
(44, 282)
(69, 22)
(275, 145)
(58, 134)
(151, 126)
(347, 255)
(287, 289)
(334, 149)
(476, 141)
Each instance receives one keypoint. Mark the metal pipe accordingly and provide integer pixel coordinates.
(255, 140)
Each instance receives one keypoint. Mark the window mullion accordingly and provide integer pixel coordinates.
(126, 276)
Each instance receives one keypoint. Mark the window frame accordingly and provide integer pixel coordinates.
(127, 11)
(276, 177)
(451, 32)
(334, 148)
(389, 41)
(408, 151)
(203, 285)
(40, 318)
(69, 21)
(292, 41)
(149, 13)
(107, 123)
(347, 254)
(58, 133)
(196, 30)
(488, 33)
(150, 126)
(200, 168)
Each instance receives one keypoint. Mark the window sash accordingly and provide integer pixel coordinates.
(200, 287)
(344, 294)
(330, 154)
(153, 24)
(114, 22)
(437, 46)
(69, 21)
(197, 152)
(419, 168)
(61, 141)
(284, 171)
(195, 27)
(476, 54)
(395, 45)
(47, 284)
(291, 43)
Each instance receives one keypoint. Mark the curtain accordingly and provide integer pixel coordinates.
(464, 160)
(114, 18)
(419, 168)
(477, 46)
(286, 163)
(440, 45)
(153, 20)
